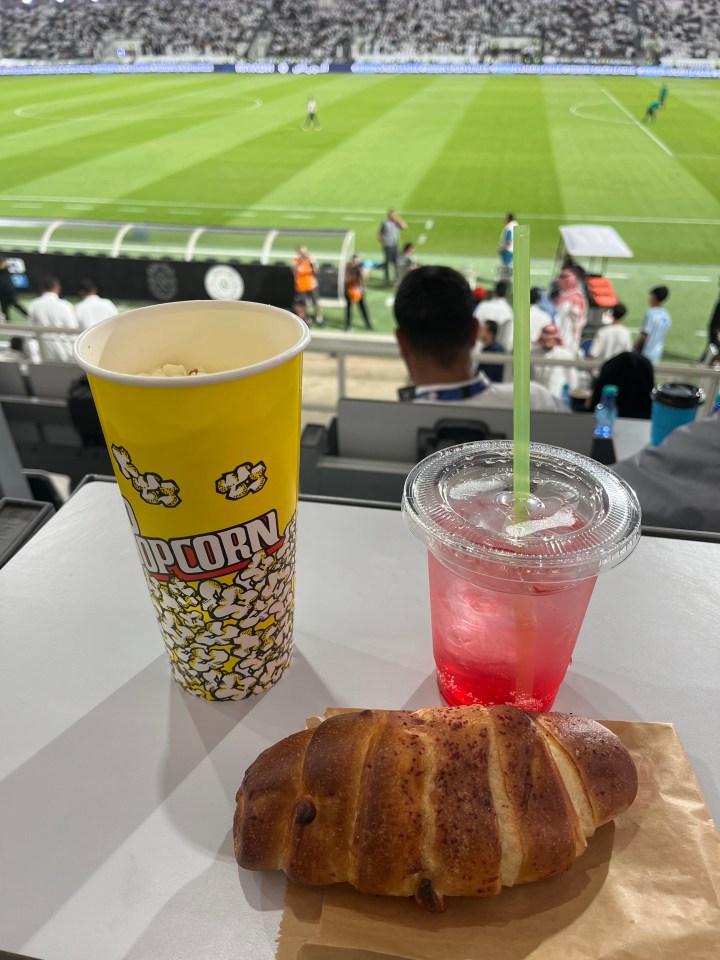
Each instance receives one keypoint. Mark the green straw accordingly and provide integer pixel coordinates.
(521, 371)
(525, 625)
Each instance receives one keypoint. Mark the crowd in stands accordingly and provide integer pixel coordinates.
(601, 30)
(689, 28)
(340, 29)
(81, 29)
(307, 29)
(439, 27)
(559, 330)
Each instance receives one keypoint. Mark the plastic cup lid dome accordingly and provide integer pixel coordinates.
(459, 502)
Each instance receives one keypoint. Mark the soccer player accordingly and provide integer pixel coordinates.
(663, 94)
(651, 112)
(505, 249)
(656, 323)
(311, 118)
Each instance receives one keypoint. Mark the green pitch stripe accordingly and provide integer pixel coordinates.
(496, 159)
(51, 119)
(704, 97)
(691, 189)
(269, 146)
(607, 164)
(154, 152)
(21, 91)
(108, 121)
(82, 127)
(94, 130)
(691, 129)
(380, 161)
(690, 125)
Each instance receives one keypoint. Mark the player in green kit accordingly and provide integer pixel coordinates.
(651, 112)
(663, 94)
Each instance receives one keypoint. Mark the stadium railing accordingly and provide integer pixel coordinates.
(339, 346)
(332, 248)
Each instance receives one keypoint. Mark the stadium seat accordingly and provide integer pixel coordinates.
(601, 292)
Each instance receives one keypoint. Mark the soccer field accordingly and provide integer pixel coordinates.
(451, 153)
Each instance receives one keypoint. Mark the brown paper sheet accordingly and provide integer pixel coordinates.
(647, 888)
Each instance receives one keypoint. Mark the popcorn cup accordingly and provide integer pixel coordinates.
(207, 465)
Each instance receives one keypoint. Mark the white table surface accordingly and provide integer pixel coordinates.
(117, 788)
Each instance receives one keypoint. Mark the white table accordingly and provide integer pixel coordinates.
(117, 788)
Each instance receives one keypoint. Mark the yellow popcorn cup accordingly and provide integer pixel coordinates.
(208, 470)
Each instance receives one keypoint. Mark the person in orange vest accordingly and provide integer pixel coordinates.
(355, 276)
(306, 285)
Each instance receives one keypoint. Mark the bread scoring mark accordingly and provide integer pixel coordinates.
(511, 846)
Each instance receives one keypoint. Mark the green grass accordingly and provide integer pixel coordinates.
(451, 153)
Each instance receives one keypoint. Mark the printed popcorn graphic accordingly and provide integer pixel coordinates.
(152, 488)
(228, 630)
(244, 479)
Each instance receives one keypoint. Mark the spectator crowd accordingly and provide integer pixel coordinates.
(341, 29)
(83, 29)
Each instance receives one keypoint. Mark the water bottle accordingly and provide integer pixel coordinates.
(606, 412)
(565, 395)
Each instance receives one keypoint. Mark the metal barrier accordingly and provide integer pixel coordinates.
(339, 346)
(343, 345)
(181, 242)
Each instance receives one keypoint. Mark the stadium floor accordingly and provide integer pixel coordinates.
(451, 153)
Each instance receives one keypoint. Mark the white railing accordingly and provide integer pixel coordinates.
(343, 345)
(340, 346)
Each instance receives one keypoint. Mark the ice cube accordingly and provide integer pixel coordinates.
(563, 518)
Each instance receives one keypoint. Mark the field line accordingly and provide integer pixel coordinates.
(253, 209)
(577, 108)
(637, 123)
(688, 279)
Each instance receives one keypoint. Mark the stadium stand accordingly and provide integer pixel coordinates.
(691, 28)
(342, 29)
(81, 29)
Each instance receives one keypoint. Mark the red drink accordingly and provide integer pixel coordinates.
(477, 644)
(510, 580)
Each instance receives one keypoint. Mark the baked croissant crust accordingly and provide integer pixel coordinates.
(448, 801)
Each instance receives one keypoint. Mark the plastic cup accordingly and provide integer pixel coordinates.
(208, 468)
(507, 600)
(673, 405)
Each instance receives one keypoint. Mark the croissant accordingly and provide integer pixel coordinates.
(454, 801)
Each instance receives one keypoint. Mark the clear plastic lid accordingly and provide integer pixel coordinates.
(581, 517)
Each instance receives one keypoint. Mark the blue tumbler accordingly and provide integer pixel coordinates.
(674, 404)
